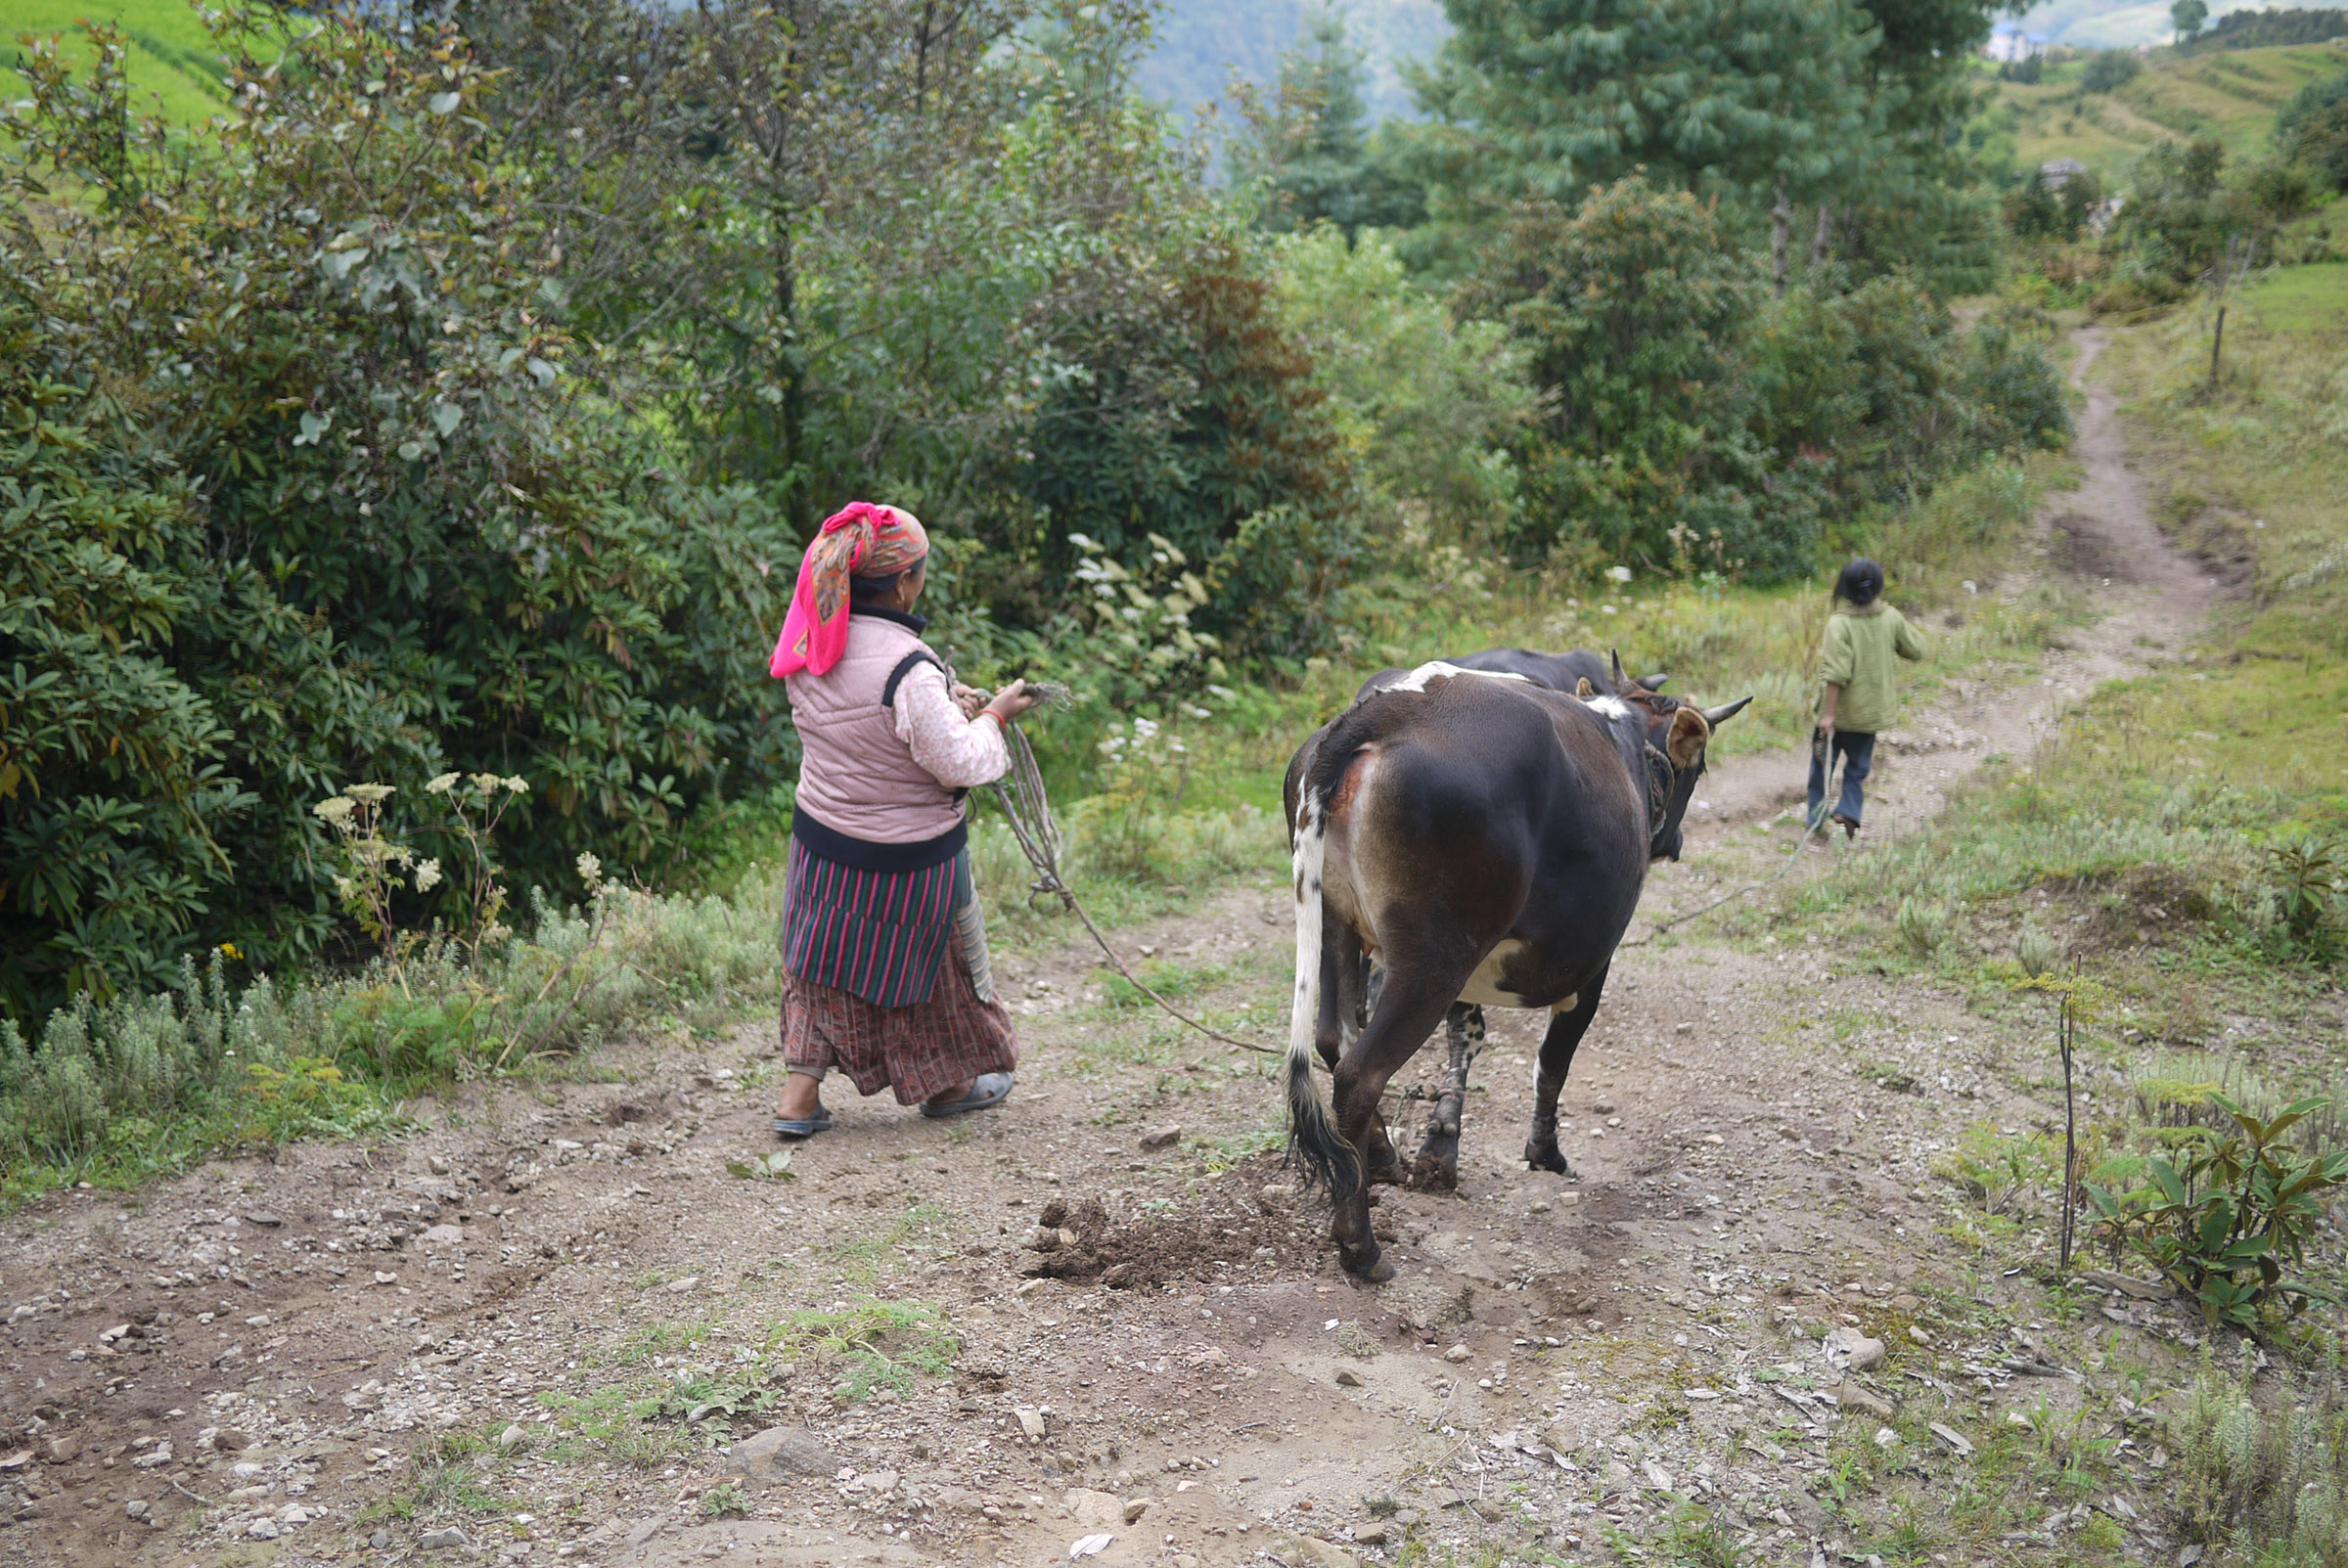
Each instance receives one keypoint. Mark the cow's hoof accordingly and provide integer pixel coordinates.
(1367, 1264)
(1385, 1166)
(1543, 1154)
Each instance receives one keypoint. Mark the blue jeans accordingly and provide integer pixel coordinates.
(1857, 748)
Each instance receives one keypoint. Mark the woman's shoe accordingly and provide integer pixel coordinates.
(794, 1128)
(989, 1091)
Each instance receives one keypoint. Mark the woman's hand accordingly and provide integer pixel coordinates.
(1011, 701)
(968, 699)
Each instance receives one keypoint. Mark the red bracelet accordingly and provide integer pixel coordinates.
(990, 713)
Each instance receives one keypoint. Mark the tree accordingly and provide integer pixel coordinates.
(1729, 98)
(412, 527)
(2188, 16)
(1309, 145)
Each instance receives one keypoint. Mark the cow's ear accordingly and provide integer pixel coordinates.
(1583, 689)
(1689, 732)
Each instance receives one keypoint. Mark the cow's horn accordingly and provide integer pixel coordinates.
(1726, 711)
(1620, 677)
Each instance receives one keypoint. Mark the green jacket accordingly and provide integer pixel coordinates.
(1856, 656)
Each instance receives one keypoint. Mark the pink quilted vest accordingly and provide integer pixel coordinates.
(855, 776)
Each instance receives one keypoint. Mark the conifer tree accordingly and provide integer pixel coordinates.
(1310, 143)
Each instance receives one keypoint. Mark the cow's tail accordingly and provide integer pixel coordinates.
(1315, 1145)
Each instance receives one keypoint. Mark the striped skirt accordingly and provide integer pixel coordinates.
(852, 937)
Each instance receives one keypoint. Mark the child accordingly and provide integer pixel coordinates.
(1854, 662)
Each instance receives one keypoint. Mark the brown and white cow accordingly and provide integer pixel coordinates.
(1484, 839)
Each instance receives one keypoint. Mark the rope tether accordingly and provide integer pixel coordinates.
(1020, 794)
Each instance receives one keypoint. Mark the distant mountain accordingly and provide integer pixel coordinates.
(1202, 43)
(2125, 24)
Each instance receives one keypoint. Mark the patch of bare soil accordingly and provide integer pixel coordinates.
(550, 1325)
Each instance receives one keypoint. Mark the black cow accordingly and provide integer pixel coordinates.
(1560, 672)
(1485, 839)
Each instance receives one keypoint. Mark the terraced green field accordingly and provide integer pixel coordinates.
(2232, 96)
(171, 57)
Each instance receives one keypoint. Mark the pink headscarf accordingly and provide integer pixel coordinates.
(859, 540)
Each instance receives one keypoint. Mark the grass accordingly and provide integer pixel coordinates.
(2231, 95)
(173, 57)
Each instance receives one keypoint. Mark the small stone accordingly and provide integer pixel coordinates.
(232, 1440)
(782, 1450)
(1091, 1510)
(1604, 1107)
(1371, 1535)
(446, 1539)
(437, 1163)
(1487, 1510)
(293, 1517)
(1851, 1397)
(1855, 1349)
(1886, 1438)
(63, 1449)
(513, 1436)
(1958, 1444)
(1031, 1420)
(263, 1529)
(160, 1454)
(1657, 1477)
(1347, 1377)
(678, 1287)
(1135, 1507)
(1163, 1138)
(1325, 1555)
(379, 1540)
(1456, 1355)
(267, 1218)
(382, 1278)
(136, 1507)
(443, 1236)
(1919, 1335)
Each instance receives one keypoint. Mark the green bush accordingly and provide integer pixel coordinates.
(2312, 129)
(2110, 68)
(2264, 1481)
(331, 494)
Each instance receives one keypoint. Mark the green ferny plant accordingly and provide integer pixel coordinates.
(2223, 1219)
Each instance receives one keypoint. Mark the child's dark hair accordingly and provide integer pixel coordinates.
(1861, 583)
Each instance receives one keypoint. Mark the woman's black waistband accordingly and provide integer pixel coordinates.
(863, 855)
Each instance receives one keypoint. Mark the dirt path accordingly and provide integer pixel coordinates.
(524, 1333)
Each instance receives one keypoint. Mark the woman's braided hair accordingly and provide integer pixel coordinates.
(1861, 583)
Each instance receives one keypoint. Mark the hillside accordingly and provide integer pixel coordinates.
(1201, 43)
(2125, 24)
(2232, 96)
(171, 56)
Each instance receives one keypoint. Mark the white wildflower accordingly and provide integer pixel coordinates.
(1223, 692)
(519, 785)
(427, 875)
(1197, 712)
(443, 785)
(591, 871)
(370, 794)
(345, 887)
(335, 809)
(1620, 574)
(488, 784)
(1143, 728)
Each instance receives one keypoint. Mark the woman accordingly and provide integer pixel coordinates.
(1859, 699)
(885, 974)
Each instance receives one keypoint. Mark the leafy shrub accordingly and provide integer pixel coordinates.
(360, 508)
(2223, 1222)
(2312, 129)
(2108, 70)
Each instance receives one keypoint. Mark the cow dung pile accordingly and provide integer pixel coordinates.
(1075, 1239)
